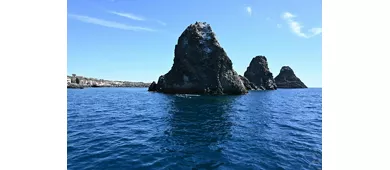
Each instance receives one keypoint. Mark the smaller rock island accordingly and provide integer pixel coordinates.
(259, 74)
(288, 79)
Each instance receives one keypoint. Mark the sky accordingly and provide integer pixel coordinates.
(134, 40)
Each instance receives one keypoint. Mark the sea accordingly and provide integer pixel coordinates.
(131, 128)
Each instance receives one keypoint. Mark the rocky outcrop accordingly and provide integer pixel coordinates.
(249, 85)
(153, 86)
(74, 86)
(288, 79)
(259, 74)
(201, 66)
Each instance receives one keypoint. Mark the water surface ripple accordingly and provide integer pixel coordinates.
(130, 128)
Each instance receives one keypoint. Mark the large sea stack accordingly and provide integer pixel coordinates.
(258, 73)
(288, 79)
(201, 66)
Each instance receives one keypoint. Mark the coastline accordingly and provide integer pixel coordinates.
(83, 87)
(80, 82)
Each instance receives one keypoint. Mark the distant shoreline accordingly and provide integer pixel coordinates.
(68, 87)
(80, 82)
(85, 87)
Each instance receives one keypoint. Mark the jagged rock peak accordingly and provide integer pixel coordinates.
(201, 28)
(287, 70)
(288, 79)
(259, 74)
(200, 35)
(259, 60)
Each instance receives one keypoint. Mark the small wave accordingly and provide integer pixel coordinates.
(187, 95)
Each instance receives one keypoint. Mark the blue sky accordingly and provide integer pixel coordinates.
(134, 39)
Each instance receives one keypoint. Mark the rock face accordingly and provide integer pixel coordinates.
(258, 73)
(74, 86)
(287, 79)
(249, 85)
(201, 66)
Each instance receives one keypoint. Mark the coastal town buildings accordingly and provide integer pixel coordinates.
(93, 82)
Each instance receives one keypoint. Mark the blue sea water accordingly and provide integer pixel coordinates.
(131, 128)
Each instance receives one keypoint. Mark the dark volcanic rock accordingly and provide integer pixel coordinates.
(258, 73)
(249, 85)
(287, 79)
(201, 66)
(74, 86)
(153, 87)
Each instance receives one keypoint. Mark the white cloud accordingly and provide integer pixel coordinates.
(110, 24)
(296, 27)
(316, 30)
(135, 17)
(128, 15)
(162, 23)
(279, 25)
(249, 10)
(287, 15)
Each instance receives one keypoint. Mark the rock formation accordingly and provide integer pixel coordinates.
(74, 86)
(249, 85)
(153, 86)
(201, 66)
(287, 79)
(258, 73)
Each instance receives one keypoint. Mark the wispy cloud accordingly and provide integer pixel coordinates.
(279, 25)
(135, 17)
(316, 30)
(162, 23)
(249, 10)
(268, 19)
(111, 24)
(296, 27)
(128, 15)
(287, 15)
